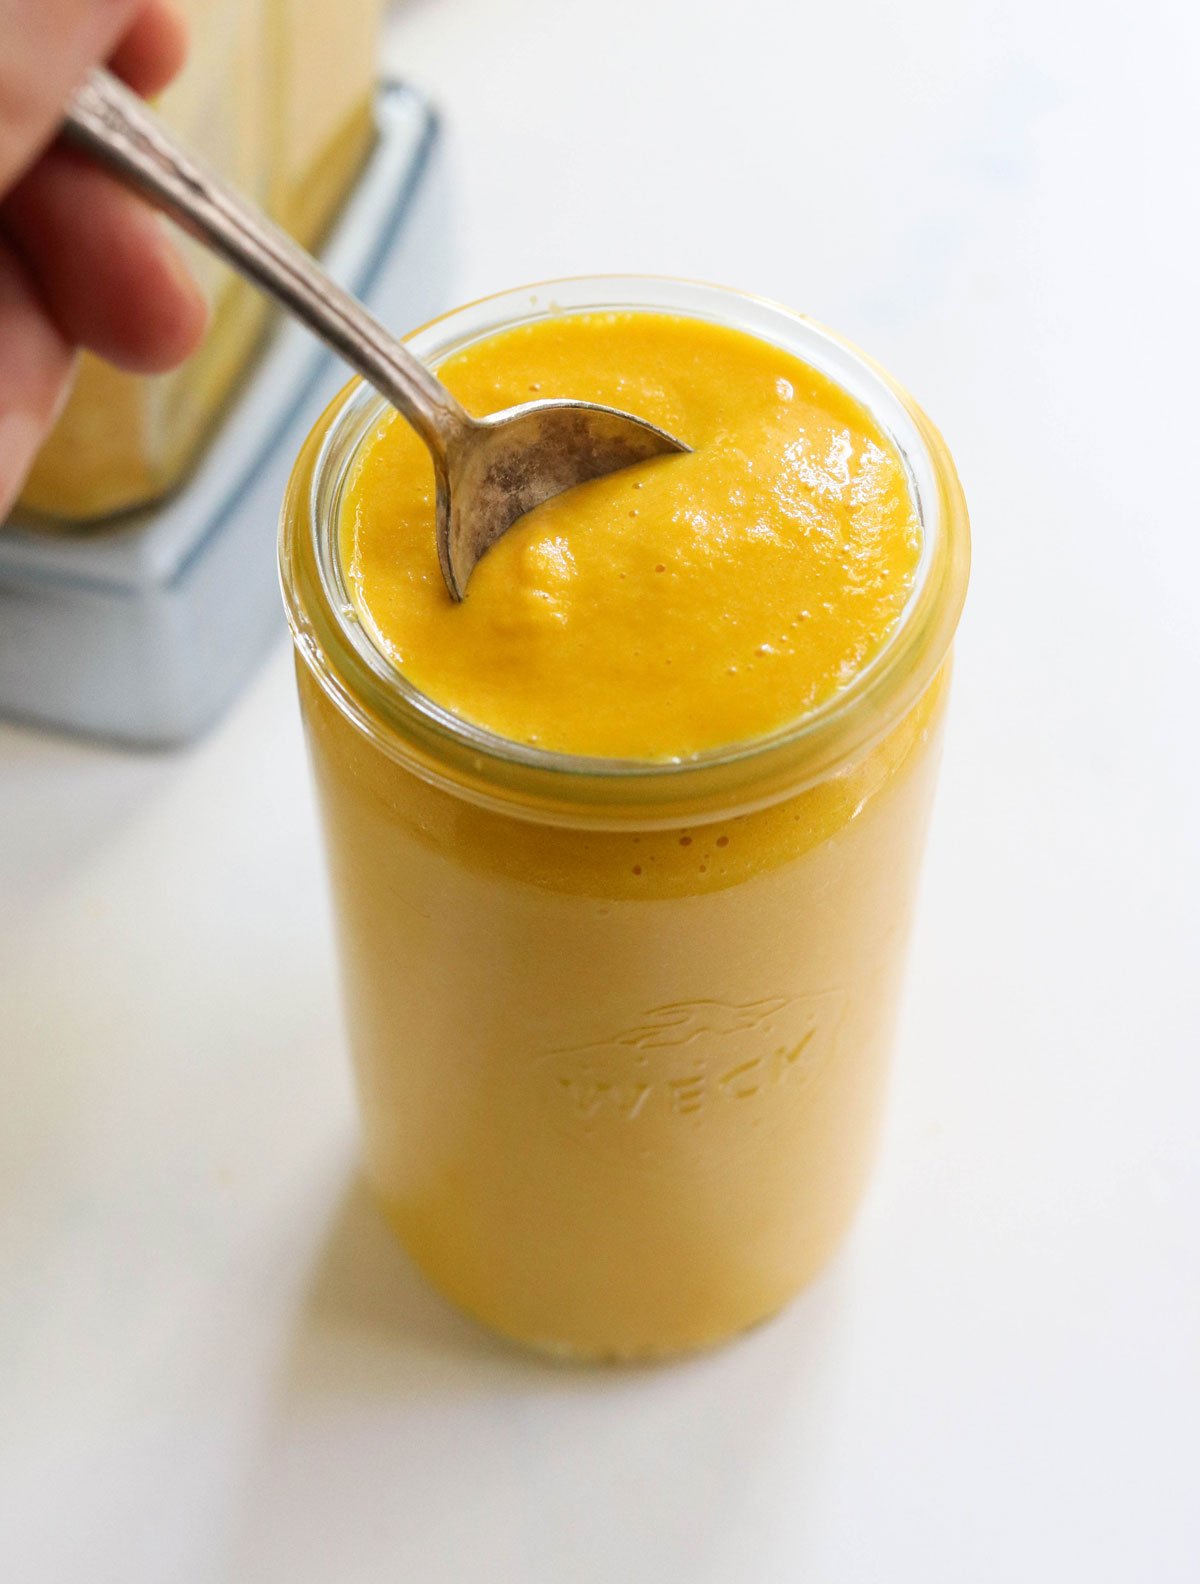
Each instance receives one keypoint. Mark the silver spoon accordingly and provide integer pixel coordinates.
(490, 471)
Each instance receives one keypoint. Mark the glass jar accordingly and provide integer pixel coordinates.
(327, 61)
(620, 1029)
(123, 440)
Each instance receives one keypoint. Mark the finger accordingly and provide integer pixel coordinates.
(153, 50)
(103, 264)
(106, 269)
(35, 370)
(48, 46)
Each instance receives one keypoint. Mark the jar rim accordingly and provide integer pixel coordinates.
(489, 768)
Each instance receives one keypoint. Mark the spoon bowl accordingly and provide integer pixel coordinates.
(502, 466)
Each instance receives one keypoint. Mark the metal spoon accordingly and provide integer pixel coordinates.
(490, 471)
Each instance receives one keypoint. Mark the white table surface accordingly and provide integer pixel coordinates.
(214, 1363)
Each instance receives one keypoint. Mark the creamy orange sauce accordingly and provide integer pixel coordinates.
(685, 604)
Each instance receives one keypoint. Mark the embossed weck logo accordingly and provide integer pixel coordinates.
(691, 1054)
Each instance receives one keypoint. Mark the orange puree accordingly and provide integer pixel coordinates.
(620, 1030)
(685, 604)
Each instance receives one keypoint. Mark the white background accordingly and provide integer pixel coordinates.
(214, 1363)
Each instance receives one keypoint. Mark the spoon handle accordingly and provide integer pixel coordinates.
(111, 123)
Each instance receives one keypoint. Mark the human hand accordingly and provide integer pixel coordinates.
(83, 263)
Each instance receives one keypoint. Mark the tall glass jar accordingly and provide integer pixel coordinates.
(621, 1029)
(123, 439)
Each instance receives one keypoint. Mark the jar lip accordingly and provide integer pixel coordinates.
(442, 746)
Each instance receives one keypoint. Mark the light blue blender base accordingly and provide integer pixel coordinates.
(142, 630)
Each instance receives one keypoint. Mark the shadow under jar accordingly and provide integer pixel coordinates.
(621, 1028)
